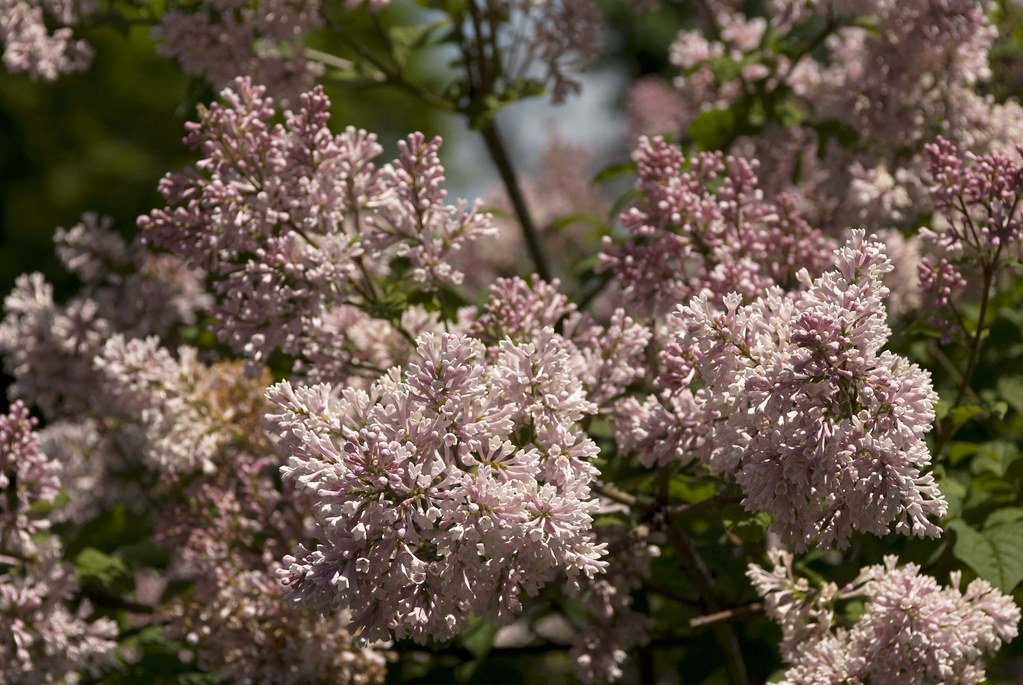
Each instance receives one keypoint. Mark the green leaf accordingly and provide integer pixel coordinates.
(963, 413)
(614, 171)
(995, 554)
(747, 527)
(833, 129)
(1003, 516)
(724, 68)
(994, 457)
(990, 489)
(952, 487)
(958, 451)
(96, 569)
(406, 39)
(478, 638)
(110, 530)
(709, 129)
(1010, 389)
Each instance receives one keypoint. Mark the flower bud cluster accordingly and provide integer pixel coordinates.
(978, 196)
(703, 224)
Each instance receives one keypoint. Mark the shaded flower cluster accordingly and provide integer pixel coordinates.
(228, 520)
(48, 348)
(614, 626)
(47, 637)
(912, 630)
(261, 39)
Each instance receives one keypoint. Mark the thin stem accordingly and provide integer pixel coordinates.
(328, 59)
(971, 364)
(736, 614)
(396, 78)
(727, 639)
(504, 166)
(985, 298)
(715, 501)
(613, 493)
(591, 294)
(952, 371)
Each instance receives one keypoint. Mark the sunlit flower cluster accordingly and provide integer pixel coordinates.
(912, 630)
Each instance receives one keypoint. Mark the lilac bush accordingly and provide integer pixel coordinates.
(312, 420)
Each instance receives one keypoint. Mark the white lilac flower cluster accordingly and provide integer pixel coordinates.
(912, 630)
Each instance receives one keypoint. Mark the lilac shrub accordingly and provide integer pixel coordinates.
(322, 423)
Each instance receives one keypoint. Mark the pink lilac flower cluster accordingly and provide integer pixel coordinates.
(260, 39)
(32, 47)
(447, 490)
(227, 519)
(47, 635)
(605, 358)
(293, 222)
(978, 197)
(819, 427)
(614, 627)
(702, 224)
(934, 54)
(48, 348)
(912, 630)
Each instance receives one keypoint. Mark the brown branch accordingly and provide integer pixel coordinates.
(736, 614)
